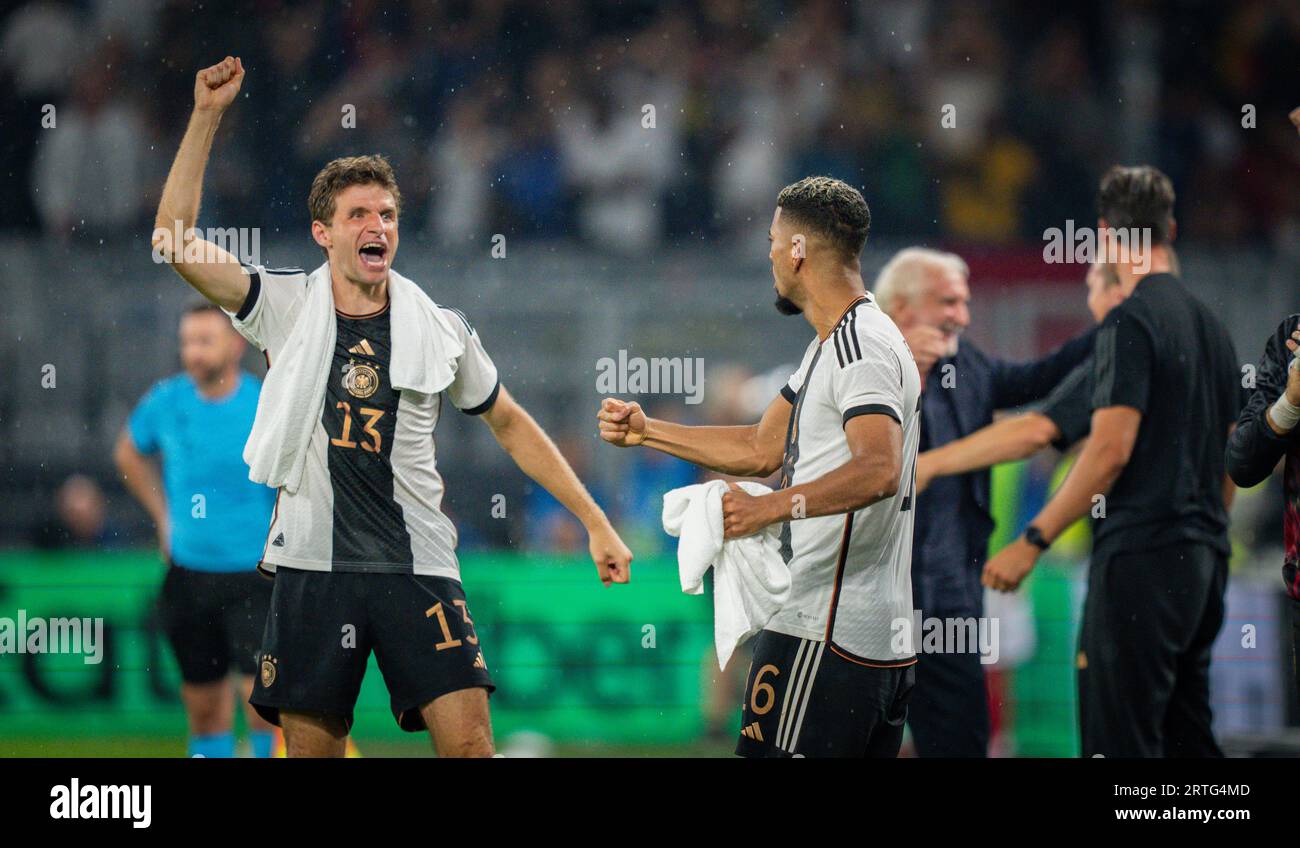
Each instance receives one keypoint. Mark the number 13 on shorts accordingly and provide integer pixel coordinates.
(438, 611)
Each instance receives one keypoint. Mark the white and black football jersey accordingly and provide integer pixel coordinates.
(371, 495)
(851, 574)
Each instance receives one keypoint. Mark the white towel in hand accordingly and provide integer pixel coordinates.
(750, 580)
(424, 352)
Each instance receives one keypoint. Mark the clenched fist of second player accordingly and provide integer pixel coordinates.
(622, 423)
(744, 515)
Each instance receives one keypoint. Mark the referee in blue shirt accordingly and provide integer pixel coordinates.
(212, 522)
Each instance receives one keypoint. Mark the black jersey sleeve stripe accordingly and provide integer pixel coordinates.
(254, 290)
(487, 404)
(870, 409)
(461, 316)
(846, 333)
(788, 393)
(846, 339)
(285, 271)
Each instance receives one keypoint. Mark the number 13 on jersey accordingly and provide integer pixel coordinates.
(371, 417)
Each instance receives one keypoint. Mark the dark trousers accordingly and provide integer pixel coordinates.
(1149, 624)
(949, 713)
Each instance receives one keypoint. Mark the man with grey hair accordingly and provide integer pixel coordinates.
(927, 294)
(903, 287)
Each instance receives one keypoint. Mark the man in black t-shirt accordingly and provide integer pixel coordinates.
(1060, 421)
(1165, 394)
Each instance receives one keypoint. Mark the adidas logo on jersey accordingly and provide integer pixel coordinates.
(362, 347)
(753, 732)
(279, 541)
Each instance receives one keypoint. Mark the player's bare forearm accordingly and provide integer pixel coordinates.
(726, 450)
(210, 269)
(746, 451)
(856, 484)
(1007, 440)
(1103, 459)
(539, 458)
(141, 479)
(873, 472)
(179, 205)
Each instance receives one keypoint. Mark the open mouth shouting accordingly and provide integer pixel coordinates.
(373, 255)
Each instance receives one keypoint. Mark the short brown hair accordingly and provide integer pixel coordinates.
(832, 209)
(343, 173)
(1137, 197)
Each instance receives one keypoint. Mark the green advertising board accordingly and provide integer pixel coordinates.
(572, 659)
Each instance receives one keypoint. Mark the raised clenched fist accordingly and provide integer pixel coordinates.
(215, 87)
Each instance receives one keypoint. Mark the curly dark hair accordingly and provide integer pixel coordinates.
(832, 209)
(1137, 197)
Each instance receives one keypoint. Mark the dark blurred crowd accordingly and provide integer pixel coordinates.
(638, 124)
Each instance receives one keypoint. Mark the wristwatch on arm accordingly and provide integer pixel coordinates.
(1034, 536)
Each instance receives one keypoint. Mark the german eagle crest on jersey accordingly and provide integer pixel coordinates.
(360, 379)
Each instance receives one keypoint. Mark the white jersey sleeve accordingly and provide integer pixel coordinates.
(476, 385)
(275, 297)
(869, 377)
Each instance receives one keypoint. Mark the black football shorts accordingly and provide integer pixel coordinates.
(803, 699)
(214, 620)
(323, 626)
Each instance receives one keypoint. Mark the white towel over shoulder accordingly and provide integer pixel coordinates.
(750, 580)
(424, 356)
